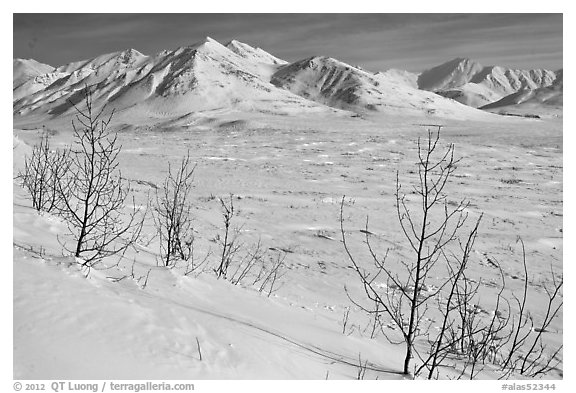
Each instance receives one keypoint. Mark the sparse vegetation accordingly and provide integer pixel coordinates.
(240, 263)
(511, 181)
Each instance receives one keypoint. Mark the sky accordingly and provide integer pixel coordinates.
(376, 42)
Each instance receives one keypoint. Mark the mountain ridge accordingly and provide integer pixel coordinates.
(208, 76)
(473, 84)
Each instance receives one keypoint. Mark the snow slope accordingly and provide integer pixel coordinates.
(259, 62)
(93, 328)
(399, 76)
(109, 325)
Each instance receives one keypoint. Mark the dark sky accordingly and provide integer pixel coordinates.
(412, 42)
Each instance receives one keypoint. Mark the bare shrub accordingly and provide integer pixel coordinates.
(41, 173)
(247, 263)
(172, 216)
(271, 271)
(361, 373)
(510, 340)
(242, 263)
(228, 242)
(527, 354)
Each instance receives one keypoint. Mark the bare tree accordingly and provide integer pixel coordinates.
(93, 193)
(173, 218)
(41, 173)
(428, 233)
(508, 339)
(407, 295)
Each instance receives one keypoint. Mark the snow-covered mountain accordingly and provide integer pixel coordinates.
(473, 84)
(209, 76)
(548, 96)
(203, 76)
(340, 85)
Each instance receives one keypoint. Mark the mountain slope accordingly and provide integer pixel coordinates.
(453, 73)
(533, 100)
(471, 94)
(106, 72)
(399, 76)
(259, 62)
(29, 76)
(340, 85)
(246, 51)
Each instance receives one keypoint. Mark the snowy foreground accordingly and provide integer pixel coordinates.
(289, 177)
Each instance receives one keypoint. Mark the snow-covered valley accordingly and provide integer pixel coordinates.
(288, 178)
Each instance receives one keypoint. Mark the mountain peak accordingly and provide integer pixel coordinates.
(464, 60)
(455, 72)
(248, 52)
(460, 63)
(207, 40)
(133, 51)
(25, 69)
(234, 43)
(129, 55)
(207, 43)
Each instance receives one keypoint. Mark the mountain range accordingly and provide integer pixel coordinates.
(473, 84)
(208, 76)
